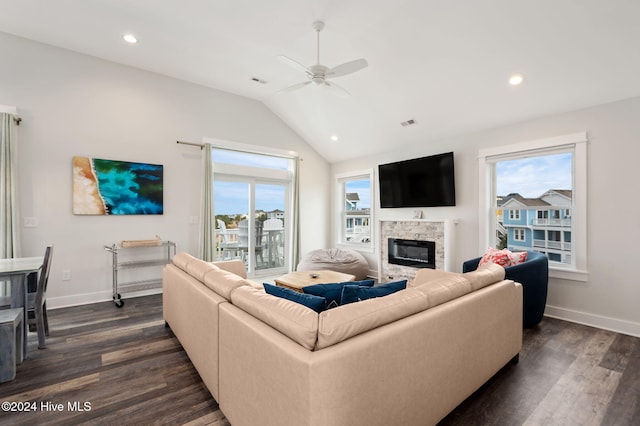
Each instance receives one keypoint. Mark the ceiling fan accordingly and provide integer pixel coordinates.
(320, 74)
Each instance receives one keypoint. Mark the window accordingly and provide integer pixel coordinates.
(518, 234)
(545, 181)
(252, 205)
(355, 218)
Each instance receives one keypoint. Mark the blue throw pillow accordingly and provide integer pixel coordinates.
(352, 293)
(349, 294)
(333, 292)
(310, 301)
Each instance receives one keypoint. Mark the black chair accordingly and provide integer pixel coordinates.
(37, 302)
(533, 274)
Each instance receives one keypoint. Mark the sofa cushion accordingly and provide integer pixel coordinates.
(333, 292)
(236, 266)
(346, 321)
(223, 282)
(354, 293)
(293, 320)
(427, 274)
(182, 259)
(444, 289)
(316, 303)
(199, 268)
(485, 275)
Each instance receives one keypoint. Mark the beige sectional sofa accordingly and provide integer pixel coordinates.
(408, 358)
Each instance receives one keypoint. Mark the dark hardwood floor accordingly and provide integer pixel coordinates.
(130, 369)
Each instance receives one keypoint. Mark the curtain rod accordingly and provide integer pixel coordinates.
(12, 111)
(191, 143)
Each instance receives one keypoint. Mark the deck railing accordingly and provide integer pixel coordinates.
(552, 222)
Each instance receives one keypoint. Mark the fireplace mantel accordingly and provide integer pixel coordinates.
(416, 229)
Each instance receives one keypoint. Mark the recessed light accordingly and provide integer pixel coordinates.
(334, 138)
(516, 79)
(130, 38)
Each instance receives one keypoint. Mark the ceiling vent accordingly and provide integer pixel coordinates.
(408, 123)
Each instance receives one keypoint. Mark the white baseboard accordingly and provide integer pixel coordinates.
(606, 323)
(84, 299)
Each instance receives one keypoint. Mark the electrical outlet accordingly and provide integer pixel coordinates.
(66, 275)
(30, 222)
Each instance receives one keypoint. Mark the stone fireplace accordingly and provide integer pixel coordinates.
(406, 246)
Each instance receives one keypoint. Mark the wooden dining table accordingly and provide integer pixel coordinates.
(16, 271)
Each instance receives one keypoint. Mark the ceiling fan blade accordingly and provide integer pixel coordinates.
(347, 68)
(294, 87)
(294, 64)
(337, 89)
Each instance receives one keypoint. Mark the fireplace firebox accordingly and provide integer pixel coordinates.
(415, 253)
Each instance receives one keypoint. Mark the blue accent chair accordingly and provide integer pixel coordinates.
(533, 274)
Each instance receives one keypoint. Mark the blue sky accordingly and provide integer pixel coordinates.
(363, 188)
(532, 177)
(233, 197)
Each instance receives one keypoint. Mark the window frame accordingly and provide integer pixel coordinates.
(519, 234)
(577, 143)
(341, 216)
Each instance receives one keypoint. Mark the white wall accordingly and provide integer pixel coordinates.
(73, 104)
(609, 299)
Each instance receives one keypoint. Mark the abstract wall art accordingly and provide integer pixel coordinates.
(108, 187)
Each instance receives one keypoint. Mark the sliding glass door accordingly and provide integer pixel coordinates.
(252, 202)
(251, 215)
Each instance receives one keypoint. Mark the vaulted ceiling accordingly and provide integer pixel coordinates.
(444, 64)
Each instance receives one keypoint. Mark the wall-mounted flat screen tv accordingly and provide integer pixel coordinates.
(420, 182)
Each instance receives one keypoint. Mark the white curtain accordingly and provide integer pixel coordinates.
(207, 250)
(9, 217)
(295, 216)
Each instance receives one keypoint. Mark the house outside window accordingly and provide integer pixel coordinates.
(546, 183)
(355, 216)
(518, 234)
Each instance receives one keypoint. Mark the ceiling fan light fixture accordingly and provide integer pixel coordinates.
(321, 75)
